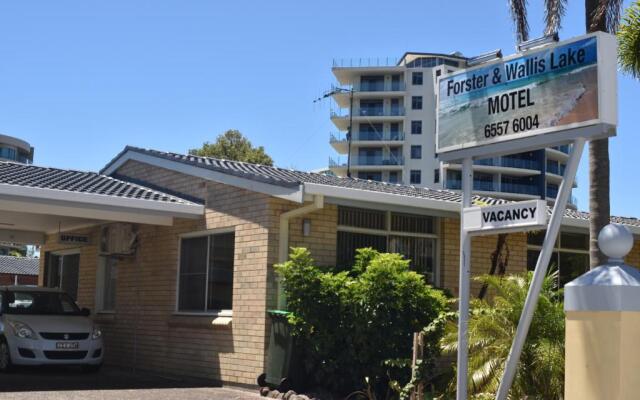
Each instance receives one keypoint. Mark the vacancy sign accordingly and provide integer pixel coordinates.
(544, 91)
(518, 216)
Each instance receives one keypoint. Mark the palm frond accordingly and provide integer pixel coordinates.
(605, 16)
(518, 10)
(553, 13)
(629, 41)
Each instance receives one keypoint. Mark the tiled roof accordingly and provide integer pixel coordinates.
(293, 178)
(19, 265)
(80, 182)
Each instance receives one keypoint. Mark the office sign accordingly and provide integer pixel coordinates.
(74, 239)
(510, 217)
(565, 86)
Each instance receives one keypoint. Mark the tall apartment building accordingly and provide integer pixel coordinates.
(14, 149)
(394, 125)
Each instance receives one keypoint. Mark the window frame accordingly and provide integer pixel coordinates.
(100, 285)
(558, 248)
(416, 152)
(389, 233)
(417, 76)
(419, 173)
(193, 235)
(414, 102)
(418, 124)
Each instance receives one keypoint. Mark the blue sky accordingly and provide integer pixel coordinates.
(81, 79)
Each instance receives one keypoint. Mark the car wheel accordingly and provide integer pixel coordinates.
(91, 369)
(5, 356)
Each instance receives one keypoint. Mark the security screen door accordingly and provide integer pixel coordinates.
(62, 271)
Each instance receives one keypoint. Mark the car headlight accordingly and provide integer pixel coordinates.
(97, 333)
(22, 330)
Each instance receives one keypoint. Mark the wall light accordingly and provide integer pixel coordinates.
(306, 227)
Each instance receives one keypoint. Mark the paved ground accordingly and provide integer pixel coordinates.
(108, 384)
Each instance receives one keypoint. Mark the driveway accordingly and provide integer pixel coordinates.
(108, 384)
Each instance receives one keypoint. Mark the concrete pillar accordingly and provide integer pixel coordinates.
(602, 335)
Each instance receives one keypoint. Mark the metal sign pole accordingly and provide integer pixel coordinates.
(541, 269)
(464, 282)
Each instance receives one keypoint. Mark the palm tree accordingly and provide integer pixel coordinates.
(629, 41)
(601, 15)
(491, 329)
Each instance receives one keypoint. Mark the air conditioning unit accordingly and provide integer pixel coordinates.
(118, 239)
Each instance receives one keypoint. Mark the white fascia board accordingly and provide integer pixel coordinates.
(288, 193)
(139, 205)
(18, 236)
(379, 197)
(88, 211)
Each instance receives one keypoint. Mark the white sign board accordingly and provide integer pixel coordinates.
(537, 93)
(510, 217)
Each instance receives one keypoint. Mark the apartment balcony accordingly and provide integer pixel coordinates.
(368, 90)
(520, 188)
(480, 186)
(363, 163)
(510, 162)
(340, 117)
(560, 153)
(340, 143)
(556, 169)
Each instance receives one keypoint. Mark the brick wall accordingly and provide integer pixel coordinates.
(145, 329)
(482, 247)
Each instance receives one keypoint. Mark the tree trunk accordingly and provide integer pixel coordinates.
(599, 202)
(499, 261)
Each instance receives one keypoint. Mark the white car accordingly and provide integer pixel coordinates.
(41, 326)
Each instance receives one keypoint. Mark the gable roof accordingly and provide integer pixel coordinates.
(26, 175)
(291, 178)
(19, 265)
(314, 183)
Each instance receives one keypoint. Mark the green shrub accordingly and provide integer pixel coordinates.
(351, 324)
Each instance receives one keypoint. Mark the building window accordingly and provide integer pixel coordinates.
(416, 102)
(415, 177)
(393, 177)
(413, 236)
(416, 78)
(206, 273)
(416, 127)
(370, 176)
(106, 284)
(436, 175)
(62, 270)
(416, 152)
(570, 256)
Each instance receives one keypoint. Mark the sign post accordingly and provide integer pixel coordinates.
(546, 96)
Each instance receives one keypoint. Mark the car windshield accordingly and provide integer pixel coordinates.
(41, 303)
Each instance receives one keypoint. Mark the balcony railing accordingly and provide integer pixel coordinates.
(379, 86)
(485, 186)
(367, 136)
(520, 188)
(368, 161)
(564, 148)
(369, 112)
(366, 62)
(556, 169)
(509, 162)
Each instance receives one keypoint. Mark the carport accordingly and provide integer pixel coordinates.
(36, 201)
(39, 204)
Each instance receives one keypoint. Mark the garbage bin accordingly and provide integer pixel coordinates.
(280, 348)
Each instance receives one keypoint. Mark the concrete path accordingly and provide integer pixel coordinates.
(108, 384)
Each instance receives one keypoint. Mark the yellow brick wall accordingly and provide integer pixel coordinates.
(482, 247)
(146, 289)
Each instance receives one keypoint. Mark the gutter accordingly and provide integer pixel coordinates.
(283, 239)
(283, 242)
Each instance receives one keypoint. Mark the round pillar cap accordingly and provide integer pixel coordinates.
(615, 241)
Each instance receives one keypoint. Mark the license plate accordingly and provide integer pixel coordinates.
(66, 345)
